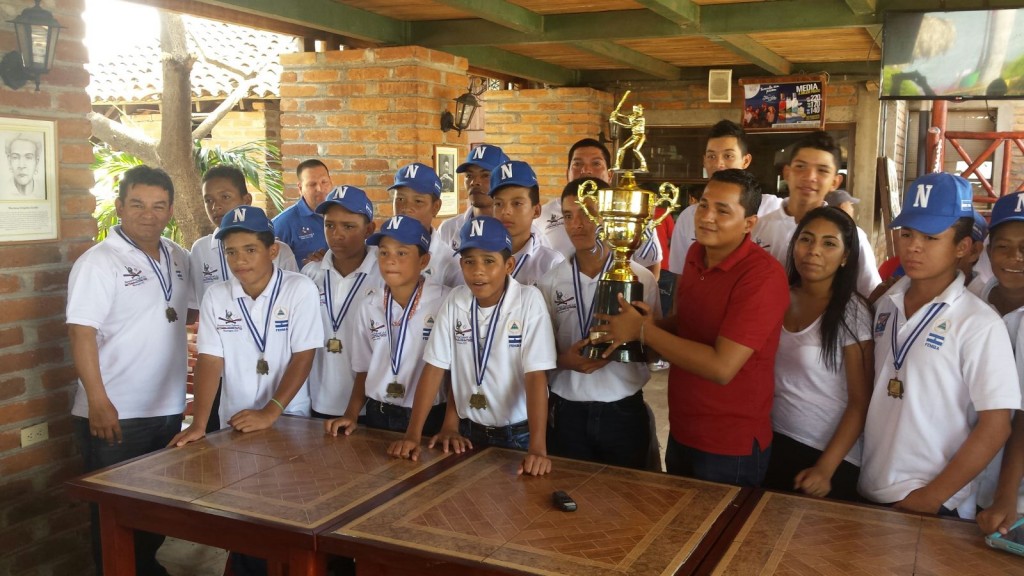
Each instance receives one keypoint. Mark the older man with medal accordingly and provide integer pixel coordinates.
(346, 276)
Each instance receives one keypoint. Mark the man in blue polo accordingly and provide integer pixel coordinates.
(299, 226)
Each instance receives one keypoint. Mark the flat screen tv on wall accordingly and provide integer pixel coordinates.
(973, 54)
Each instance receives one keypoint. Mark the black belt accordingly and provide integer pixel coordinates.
(496, 432)
(635, 399)
(387, 409)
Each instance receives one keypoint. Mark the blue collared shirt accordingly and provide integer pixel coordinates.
(301, 229)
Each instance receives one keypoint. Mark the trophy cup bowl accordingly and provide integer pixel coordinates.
(624, 213)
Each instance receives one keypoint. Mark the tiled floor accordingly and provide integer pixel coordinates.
(183, 558)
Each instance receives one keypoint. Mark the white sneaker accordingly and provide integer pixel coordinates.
(657, 366)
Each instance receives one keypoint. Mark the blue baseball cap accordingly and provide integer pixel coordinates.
(934, 202)
(251, 218)
(405, 229)
(350, 198)
(979, 231)
(485, 156)
(1009, 208)
(485, 233)
(419, 177)
(513, 173)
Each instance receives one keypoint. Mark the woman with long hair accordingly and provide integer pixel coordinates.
(824, 364)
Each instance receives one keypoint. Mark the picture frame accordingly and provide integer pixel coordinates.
(28, 180)
(784, 103)
(446, 159)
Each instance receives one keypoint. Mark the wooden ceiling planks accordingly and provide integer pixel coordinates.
(833, 45)
(685, 51)
(564, 55)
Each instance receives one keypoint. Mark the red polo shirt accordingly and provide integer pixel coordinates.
(744, 299)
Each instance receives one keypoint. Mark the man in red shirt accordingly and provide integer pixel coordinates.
(721, 342)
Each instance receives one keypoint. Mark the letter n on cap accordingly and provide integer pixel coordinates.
(506, 171)
(478, 152)
(239, 215)
(395, 222)
(411, 170)
(476, 228)
(924, 192)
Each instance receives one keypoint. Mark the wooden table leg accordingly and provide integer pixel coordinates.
(118, 544)
(307, 563)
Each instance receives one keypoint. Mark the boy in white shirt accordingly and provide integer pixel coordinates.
(597, 407)
(345, 277)
(390, 332)
(417, 193)
(494, 337)
(477, 169)
(257, 333)
(943, 391)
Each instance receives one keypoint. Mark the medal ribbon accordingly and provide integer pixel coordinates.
(481, 356)
(166, 284)
(396, 348)
(223, 262)
(261, 339)
(585, 317)
(519, 264)
(899, 355)
(329, 299)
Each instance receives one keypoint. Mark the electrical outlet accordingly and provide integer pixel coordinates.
(34, 434)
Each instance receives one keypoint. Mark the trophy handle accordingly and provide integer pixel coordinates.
(587, 191)
(668, 196)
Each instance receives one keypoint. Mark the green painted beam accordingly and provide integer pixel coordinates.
(945, 5)
(629, 57)
(682, 12)
(849, 71)
(502, 13)
(326, 15)
(512, 64)
(862, 6)
(753, 52)
(720, 19)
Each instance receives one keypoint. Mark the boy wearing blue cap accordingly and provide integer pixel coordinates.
(943, 391)
(1001, 491)
(257, 333)
(516, 195)
(345, 278)
(390, 332)
(494, 337)
(417, 193)
(477, 168)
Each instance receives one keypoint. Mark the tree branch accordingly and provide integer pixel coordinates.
(125, 139)
(222, 109)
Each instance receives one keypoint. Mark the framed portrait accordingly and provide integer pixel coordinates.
(28, 180)
(446, 159)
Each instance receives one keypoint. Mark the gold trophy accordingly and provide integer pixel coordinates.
(624, 212)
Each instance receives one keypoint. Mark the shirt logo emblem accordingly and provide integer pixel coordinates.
(881, 322)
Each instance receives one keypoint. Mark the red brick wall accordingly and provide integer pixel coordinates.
(41, 530)
(366, 113)
(538, 126)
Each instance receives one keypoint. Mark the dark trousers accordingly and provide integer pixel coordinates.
(516, 436)
(139, 436)
(667, 287)
(396, 418)
(616, 433)
(790, 457)
(747, 470)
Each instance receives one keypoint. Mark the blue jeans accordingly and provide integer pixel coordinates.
(515, 436)
(667, 287)
(139, 436)
(739, 470)
(396, 418)
(616, 433)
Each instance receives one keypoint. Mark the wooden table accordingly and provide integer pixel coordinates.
(266, 493)
(791, 535)
(479, 517)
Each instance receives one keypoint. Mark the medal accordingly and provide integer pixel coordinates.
(334, 345)
(261, 339)
(395, 390)
(896, 388)
(166, 284)
(478, 401)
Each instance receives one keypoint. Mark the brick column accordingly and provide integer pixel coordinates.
(366, 113)
(538, 126)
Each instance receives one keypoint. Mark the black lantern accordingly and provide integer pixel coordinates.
(465, 107)
(37, 31)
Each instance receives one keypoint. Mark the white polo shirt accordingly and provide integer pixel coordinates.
(552, 224)
(809, 398)
(685, 232)
(223, 331)
(330, 381)
(372, 350)
(775, 229)
(956, 367)
(522, 342)
(531, 264)
(143, 361)
(207, 266)
(450, 228)
(615, 381)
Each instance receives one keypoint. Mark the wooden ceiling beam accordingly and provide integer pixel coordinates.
(862, 6)
(846, 71)
(682, 12)
(755, 53)
(629, 57)
(502, 13)
(516, 65)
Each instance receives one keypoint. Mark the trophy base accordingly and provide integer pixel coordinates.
(606, 302)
